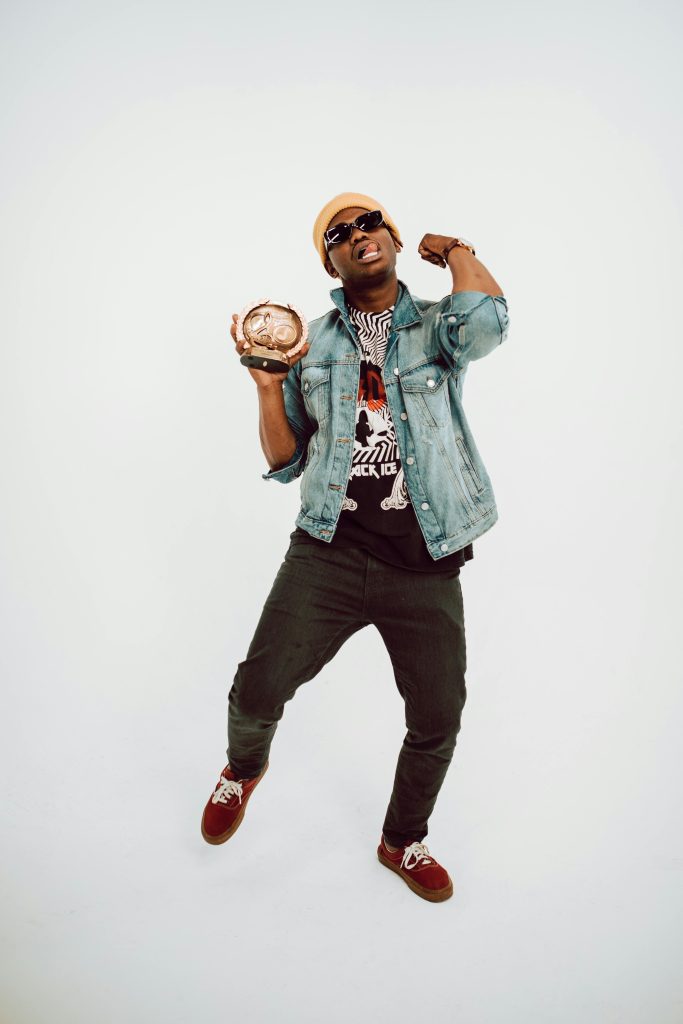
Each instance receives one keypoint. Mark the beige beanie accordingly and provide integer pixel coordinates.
(344, 201)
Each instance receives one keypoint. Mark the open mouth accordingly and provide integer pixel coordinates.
(367, 251)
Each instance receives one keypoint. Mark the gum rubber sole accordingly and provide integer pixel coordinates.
(433, 895)
(224, 836)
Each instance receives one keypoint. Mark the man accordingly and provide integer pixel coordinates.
(393, 494)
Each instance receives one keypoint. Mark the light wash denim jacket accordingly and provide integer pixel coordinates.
(428, 350)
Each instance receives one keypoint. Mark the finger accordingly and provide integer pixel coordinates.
(299, 355)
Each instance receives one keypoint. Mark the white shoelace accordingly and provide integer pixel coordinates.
(419, 852)
(227, 789)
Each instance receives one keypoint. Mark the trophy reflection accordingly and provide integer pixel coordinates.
(274, 332)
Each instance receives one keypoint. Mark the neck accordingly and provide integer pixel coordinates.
(371, 296)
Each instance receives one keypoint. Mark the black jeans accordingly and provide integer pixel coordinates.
(319, 598)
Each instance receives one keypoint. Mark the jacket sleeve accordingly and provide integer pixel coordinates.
(470, 325)
(301, 425)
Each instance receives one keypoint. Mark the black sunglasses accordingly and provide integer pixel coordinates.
(366, 222)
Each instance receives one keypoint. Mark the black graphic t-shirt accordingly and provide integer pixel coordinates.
(377, 513)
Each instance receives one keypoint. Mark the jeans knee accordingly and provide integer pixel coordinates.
(251, 696)
(454, 717)
(441, 724)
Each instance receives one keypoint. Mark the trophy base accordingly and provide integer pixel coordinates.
(265, 360)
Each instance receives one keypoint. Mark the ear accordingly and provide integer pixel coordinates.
(397, 245)
(330, 269)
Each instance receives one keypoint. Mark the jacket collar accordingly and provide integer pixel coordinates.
(405, 310)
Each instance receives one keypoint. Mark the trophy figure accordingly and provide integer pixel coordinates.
(274, 331)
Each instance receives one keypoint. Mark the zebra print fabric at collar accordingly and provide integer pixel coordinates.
(373, 331)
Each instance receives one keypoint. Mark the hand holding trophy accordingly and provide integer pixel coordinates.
(270, 337)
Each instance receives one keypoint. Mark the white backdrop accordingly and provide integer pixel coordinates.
(161, 165)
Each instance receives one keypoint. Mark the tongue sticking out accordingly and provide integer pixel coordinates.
(365, 251)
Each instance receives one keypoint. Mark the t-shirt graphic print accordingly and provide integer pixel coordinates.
(376, 489)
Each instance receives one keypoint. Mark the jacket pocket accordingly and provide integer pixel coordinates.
(315, 388)
(425, 389)
(472, 478)
(307, 476)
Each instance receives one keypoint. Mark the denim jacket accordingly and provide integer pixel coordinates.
(428, 350)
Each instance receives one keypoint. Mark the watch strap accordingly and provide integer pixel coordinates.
(463, 245)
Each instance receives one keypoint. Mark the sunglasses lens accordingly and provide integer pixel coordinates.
(339, 233)
(369, 221)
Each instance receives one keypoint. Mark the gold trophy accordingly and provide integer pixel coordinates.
(273, 331)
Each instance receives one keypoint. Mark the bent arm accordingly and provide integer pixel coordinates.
(469, 325)
(278, 440)
(470, 274)
(284, 428)
(473, 319)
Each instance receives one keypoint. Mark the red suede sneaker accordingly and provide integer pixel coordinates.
(224, 812)
(418, 869)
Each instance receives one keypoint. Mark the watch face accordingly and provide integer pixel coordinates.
(465, 241)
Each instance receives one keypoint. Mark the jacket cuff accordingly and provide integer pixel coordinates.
(292, 469)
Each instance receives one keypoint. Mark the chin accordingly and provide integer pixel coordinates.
(377, 266)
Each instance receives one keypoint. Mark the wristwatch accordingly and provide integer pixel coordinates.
(458, 241)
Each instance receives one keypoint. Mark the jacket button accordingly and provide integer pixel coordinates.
(430, 383)
(425, 505)
(410, 460)
(396, 371)
(451, 319)
(306, 386)
(444, 547)
(404, 415)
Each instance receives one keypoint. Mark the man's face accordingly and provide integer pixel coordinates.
(366, 255)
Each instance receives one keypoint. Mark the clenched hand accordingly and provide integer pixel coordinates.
(432, 246)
